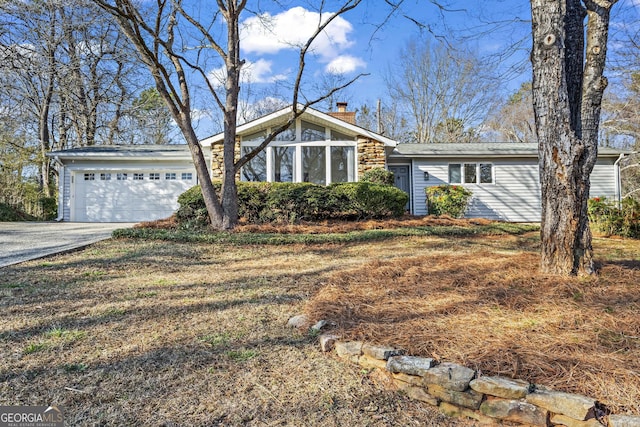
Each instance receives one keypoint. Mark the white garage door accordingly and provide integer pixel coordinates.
(128, 196)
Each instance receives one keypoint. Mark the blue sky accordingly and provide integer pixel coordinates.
(357, 42)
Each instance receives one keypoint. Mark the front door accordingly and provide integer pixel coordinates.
(402, 181)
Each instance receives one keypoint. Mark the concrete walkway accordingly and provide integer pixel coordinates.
(24, 241)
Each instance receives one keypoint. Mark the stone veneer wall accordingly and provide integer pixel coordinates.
(371, 155)
(217, 163)
(459, 392)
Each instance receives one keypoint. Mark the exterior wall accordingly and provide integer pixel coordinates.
(603, 179)
(371, 155)
(515, 194)
(217, 160)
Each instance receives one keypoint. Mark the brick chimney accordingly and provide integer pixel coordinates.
(343, 114)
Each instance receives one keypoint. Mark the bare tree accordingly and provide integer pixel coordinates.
(177, 45)
(438, 87)
(68, 72)
(513, 121)
(568, 61)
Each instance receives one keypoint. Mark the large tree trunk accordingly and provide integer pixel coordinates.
(567, 94)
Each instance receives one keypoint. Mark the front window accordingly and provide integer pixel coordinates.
(470, 173)
(256, 168)
(314, 165)
(342, 164)
(312, 132)
(306, 152)
(284, 164)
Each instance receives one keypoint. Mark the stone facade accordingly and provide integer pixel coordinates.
(456, 391)
(217, 162)
(371, 155)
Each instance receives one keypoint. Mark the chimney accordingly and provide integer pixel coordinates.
(343, 114)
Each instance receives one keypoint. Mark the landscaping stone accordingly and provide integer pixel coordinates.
(450, 376)
(409, 365)
(368, 362)
(299, 321)
(419, 393)
(410, 379)
(328, 341)
(381, 352)
(570, 422)
(501, 387)
(514, 410)
(572, 405)
(455, 411)
(321, 324)
(469, 399)
(350, 350)
(624, 421)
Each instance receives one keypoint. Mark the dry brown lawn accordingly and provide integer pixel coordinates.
(152, 333)
(135, 333)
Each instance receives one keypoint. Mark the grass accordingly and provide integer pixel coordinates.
(193, 333)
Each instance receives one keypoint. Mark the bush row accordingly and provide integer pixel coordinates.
(280, 202)
(609, 218)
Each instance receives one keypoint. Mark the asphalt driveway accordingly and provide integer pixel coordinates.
(23, 241)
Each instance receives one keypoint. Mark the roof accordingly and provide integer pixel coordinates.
(102, 152)
(480, 149)
(310, 115)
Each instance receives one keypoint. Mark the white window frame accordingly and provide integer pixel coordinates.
(298, 144)
(462, 173)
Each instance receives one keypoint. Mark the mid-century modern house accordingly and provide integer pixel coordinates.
(142, 182)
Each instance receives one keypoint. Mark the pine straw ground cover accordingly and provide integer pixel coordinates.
(481, 302)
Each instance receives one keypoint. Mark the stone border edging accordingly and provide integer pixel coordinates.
(457, 391)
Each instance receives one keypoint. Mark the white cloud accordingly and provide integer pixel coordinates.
(344, 64)
(251, 72)
(269, 34)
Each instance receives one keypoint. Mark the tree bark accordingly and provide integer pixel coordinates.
(567, 93)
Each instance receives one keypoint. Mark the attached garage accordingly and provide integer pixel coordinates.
(122, 183)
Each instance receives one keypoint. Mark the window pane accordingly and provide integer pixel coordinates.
(470, 173)
(342, 164)
(256, 168)
(287, 135)
(312, 132)
(257, 137)
(486, 175)
(283, 163)
(337, 136)
(314, 166)
(454, 174)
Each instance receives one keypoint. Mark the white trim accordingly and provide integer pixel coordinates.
(280, 116)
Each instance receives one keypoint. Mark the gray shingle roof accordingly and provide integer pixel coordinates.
(473, 149)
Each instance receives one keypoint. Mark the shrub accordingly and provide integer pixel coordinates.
(378, 176)
(285, 202)
(449, 200)
(606, 217)
(365, 200)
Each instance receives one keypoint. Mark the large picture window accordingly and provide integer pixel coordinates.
(470, 173)
(306, 152)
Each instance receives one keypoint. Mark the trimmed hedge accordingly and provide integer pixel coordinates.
(284, 202)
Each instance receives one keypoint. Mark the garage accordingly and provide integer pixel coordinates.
(122, 183)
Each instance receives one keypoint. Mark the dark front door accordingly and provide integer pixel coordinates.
(402, 181)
